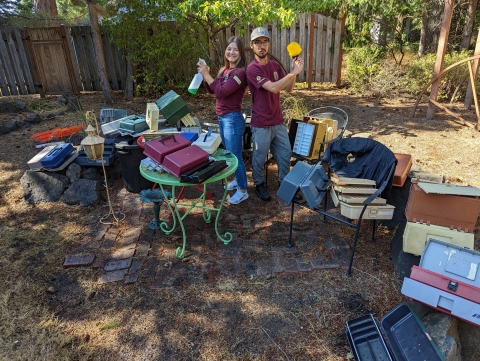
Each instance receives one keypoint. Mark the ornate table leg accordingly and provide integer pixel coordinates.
(227, 237)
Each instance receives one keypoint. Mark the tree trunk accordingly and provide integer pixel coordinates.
(467, 29)
(99, 54)
(424, 30)
(48, 7)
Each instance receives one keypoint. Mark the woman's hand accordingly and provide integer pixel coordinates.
(203, 69)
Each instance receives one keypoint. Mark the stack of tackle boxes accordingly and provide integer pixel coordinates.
(350, 193)
(440, 211)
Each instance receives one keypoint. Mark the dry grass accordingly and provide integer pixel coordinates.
(287, 317)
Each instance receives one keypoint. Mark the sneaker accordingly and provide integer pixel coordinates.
(238, 197)
(261, 192)
(232, 185)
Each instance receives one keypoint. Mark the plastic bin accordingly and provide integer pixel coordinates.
(130, 155)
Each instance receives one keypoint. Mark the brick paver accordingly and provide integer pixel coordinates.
(130, 251)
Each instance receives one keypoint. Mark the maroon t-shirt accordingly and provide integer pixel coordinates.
(266, 111)
(229, 87)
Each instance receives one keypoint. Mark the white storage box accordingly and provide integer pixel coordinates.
(358, 199)
(152, 115)
(111, 128)
(208, 143)
(416, 235)
(353, 211)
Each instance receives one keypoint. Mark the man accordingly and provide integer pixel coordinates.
(265, 78)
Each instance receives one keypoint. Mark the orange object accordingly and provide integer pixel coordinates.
(404, 164)
(48, 135)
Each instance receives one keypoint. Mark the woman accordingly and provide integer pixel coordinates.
(229, 86)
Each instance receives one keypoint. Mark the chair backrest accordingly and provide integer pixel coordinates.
(361, 158)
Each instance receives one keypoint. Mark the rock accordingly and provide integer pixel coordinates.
(62, 100)
(59, 112)
(41, 187)
(20, 105)
(74, 172)
(33, 119)
(74, 104)
(11, 125)
(61, 178)
(83, 192)
(362, 135)
(443, 330)
(49, 116)
(23, 125)
(8, 107)
(92, 173)
(51, 289)
(469, 336)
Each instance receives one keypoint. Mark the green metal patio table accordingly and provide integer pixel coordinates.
(164, 179)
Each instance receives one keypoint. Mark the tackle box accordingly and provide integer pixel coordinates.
(310, 179)
(443, 205)
(152, 115)
(173, 107)
(352, 211)
(185, 159)
(108, 155)
(303, 139)
(406, 336)
(404, 164)
(156, 149)
(209, 143)
(57, 155)
(133, 124)
(319, 136)
(35, 163)
(452, 260)
(108, 115)
(416, 235)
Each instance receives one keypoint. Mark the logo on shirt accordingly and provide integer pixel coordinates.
(225, 78)
(237, 80)
(275, 75)
(259, 79)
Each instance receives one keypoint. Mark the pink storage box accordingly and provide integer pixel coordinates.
(156, 149)
(184, 160)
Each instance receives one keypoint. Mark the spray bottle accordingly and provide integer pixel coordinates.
(196, 81)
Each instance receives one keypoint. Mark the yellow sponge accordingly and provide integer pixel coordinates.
(294, 49)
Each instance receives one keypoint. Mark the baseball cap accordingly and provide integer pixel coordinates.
(259, 32)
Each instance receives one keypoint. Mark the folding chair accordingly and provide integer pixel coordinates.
(353, 158)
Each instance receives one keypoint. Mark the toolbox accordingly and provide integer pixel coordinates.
(416, 235)
(352, 211)
(35, 163)
(209, 142)
(310, 179)
(56, 155)
(452, 261)
(448, 283)
(406, 336)
(448, 280)
(442, 207)
(133, 124)
(152, 114)
(201, 173)
(184, 160)
(173, 107)
(156, 149)
(108, 155)
(404, 164)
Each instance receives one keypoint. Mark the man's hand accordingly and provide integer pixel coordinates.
(297, 66)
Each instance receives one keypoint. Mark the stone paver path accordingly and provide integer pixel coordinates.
(130, 251)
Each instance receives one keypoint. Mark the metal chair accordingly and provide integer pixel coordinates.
(355, 158)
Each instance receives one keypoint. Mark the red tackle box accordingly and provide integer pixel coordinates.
(185, 159)
(158, 148)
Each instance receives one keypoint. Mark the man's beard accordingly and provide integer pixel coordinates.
(262, 56)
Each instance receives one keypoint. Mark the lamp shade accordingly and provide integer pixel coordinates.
(93, 144)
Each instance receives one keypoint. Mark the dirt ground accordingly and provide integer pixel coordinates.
(51, 313)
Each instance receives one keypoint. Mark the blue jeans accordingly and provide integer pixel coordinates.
(232, 126)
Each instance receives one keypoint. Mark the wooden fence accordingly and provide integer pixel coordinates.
(22, 72)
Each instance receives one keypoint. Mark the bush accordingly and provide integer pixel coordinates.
(363, 65)
(453, 83)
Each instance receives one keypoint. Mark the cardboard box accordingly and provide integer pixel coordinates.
(446, 210)
(404, 164)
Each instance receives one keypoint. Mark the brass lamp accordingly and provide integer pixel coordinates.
(93, 145)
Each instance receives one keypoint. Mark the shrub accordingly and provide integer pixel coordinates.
(453, 83)
(363, 65)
